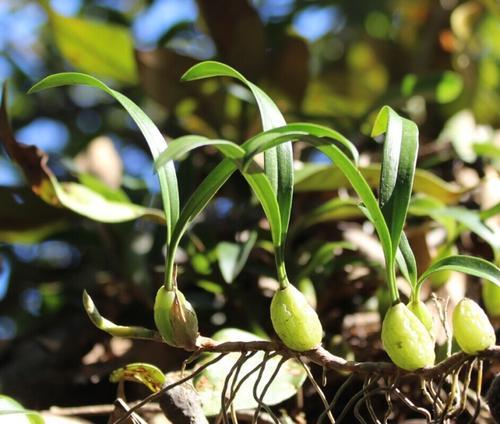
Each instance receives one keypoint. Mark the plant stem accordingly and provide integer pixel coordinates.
(280, 267)
(170, 265)
(391, 282)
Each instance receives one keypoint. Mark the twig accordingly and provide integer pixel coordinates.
(322, 357)
(95, 409)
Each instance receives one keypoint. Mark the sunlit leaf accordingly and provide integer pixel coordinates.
(149, 375)
(314, 177)
(467, 264)
(100, 48)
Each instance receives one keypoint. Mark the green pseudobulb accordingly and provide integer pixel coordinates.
(491, 298)
(175, 318)
(294, 320)
(423, 314)
(471, 327)
(406, 340)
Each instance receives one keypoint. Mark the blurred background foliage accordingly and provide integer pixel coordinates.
(329, 62)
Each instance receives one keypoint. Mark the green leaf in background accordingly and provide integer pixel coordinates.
(467, 264)
(209, 384)
(468, 219)
(443, 87)
(149, 375)
(279, 160)
(232, 257)
(332, 210)
(472, 221)
(156, 142)
(12, 412)
(321, 256)
(314, 177)
(95, 47)
(18, 223)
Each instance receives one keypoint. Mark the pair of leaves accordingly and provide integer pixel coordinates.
(241, 156)
(278, 160)
(396, 184)
(397, 173)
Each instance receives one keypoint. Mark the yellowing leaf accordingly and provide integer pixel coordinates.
(325, 178)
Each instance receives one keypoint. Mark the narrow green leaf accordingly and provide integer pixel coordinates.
(488, 213)
(398, 168)
(232, 257)
(182, 145)
(207, 189)
(261, 186)
(156, 142)
(316, 134)
(194, 205)
(111, 328)
(467, 264)
(278, 161)
(406, 261)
